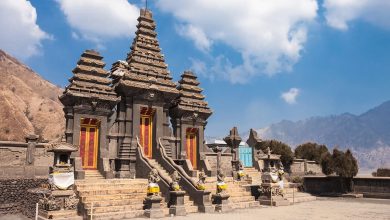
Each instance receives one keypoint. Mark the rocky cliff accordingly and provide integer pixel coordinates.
(28, 103)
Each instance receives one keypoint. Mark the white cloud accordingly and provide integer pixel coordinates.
(268, 34)
(290, 96)
(340, 12)
(196, 34)
(99, 20)
(20, 34)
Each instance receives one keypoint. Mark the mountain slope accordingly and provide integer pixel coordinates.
(368, 134)
(29, 104)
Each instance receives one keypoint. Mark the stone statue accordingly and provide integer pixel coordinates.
(48, 203)
(153, 176)
(201, 182)
(71, 202)
(220, 176)
(175, 181)
(221, 185)
(153, 188)
(240, 173)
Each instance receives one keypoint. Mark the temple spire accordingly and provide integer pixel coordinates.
(191, 98)
(146, 67)
(89, 80)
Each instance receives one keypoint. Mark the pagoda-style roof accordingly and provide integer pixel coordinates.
(191, 99)
(62, 147)
(145, 68)
(89, 80)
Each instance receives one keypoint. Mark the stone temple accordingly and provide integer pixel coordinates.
(141, 145)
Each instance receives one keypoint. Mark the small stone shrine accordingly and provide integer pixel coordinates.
(60, 199)
(272, 185)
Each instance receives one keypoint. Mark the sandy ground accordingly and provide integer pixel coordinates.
(323, 208)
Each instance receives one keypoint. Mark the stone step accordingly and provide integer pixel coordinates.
(232, 190)
(60, 214)
(117, 215)
(86, 192)
(111, 186)
(242, 199)
(114, 202)
(297, 194)
(302, 199)
(245, 205)
(61, 218)
(121, 208)
(94, 198)
(191, 209)
(111, 181)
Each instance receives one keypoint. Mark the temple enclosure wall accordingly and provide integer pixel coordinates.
(23, 166)
(302, 167)
(15, 196)
(370, 187)
(20, 161)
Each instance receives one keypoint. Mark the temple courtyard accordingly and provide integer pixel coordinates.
(322, 208)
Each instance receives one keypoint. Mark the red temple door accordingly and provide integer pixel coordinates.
(89, 142)
(146, 131)
(191, 144)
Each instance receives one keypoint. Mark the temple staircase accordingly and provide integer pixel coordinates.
(295, 196)
(240, 195)
(291, 193)
(93, 174)
(254, 176)
(113, 198)
(188, 203)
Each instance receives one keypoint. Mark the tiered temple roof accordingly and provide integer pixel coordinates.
(90, 80)
(146, 67)
(191, 98)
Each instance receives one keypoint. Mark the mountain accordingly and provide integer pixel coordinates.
(28, 103)
(367, 135)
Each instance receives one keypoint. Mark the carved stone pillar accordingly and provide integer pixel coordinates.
(153, 207)
(177, 203)
(233, 140)
(32, 141)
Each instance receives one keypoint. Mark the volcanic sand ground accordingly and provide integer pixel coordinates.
(323, 208)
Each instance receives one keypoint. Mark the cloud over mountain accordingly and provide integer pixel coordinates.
(269, 34)
(20, 34)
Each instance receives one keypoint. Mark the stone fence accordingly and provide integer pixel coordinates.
(16, 196)
(24, 160)
(371, 187)
(302, 167)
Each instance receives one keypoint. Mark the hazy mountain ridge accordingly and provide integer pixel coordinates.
(368, 134)
(29, 104)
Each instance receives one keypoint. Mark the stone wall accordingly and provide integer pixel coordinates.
(374, 187)
(226, 162)
(16, 198)
(301, 167)
(13, 163)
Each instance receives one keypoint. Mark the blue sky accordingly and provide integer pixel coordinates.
(326, 57)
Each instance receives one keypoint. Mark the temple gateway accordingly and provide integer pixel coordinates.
(134, 145)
